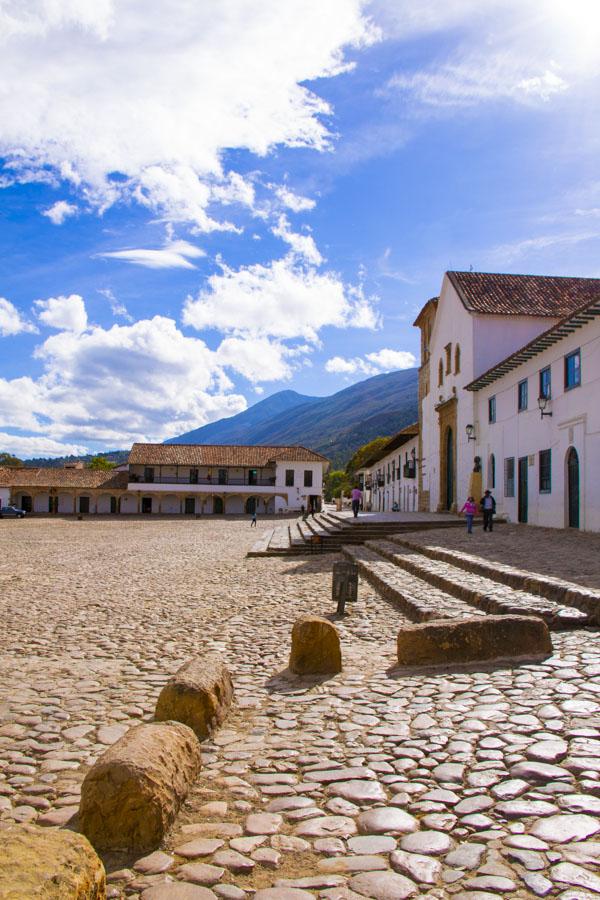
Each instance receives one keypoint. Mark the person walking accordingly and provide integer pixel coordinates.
(488, 507)
(469, 509)
(356, 500)
(253, 522)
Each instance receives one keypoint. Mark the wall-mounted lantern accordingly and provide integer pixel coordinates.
(542, 404)
(470, 429)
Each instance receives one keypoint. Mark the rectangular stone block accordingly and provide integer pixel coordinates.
(474, 639)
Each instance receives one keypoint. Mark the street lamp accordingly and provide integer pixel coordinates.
(542, 404)
(470, 429)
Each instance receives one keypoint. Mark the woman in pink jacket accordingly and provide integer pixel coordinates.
(469, 509)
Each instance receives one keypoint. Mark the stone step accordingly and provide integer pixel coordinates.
(417, 599)
(560, 591)
(479, 591)
(259, 548)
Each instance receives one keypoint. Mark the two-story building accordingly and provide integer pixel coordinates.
(510, 365)
(188, 479)
(389, 478)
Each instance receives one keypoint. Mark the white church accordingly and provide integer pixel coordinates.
(509, 397)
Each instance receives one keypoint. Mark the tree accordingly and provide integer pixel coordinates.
(101, 462)
(334, 483)
(7, 459)
(363, 454)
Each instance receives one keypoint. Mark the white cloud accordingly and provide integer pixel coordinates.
(158, 93)
(110, 387)
(59, 211)
(25, 447)
(303, 245)
(505, 254)
(11, 320)
(175, 256)
(64, 313)
(284, 299)
(117, 308)
(293, 201)
(385, 360)
(257, 359)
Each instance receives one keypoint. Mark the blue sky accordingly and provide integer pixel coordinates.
(203, 205)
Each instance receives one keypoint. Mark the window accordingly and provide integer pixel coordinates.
(492, 409)
(457, 359)
(388, 473)
(545, 383)
(522, 395)
(509, 477)
(492, 472)
(448, 351)
(148, 474)
(289, 478)
(252, 476)
(545, 471)
(573, 370)
(440, 373)
(308, 478)
(222, 476)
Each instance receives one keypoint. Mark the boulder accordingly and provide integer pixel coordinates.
(131, 795)
(199, 694)
(315, 647)
(473, 639)
(56, 865)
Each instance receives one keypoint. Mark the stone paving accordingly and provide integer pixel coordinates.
(473, 784)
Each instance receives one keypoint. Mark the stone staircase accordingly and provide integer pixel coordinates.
(431, 582)
(328, 532)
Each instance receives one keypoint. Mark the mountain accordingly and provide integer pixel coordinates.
(57, 462)
(236, 429)
(335, 426)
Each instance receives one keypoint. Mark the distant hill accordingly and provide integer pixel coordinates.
(235, 429)
(115, 456)
(335, 426)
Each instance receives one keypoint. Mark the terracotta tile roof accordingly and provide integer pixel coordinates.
(566, 326)
(29, 477)
(523, 295)
(396, 441)
(218, 455)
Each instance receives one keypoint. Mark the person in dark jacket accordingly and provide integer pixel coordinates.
(487, 504)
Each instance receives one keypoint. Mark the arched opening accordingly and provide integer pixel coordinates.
(449, 468)
(492, 472)
(457, 359)
(218, 506)
(573, 487)
(251, 506)
(440, 373)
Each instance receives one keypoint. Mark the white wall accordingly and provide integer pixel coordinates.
(65, 503)
(4, 496)
(129, 503)
(400, 490)
(298, 494)
(41, 503)
(575, 422)
(169, 505)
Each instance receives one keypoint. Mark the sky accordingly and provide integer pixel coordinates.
(202, 204)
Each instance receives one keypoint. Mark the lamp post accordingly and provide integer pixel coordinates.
(542, 404)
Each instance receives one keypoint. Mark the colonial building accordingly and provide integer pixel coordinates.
(188, 479)
(389, 478)
(508, 397)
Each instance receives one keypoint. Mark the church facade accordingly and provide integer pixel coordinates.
(509, 397)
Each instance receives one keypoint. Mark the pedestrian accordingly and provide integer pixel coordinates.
(356, 500)
(488, 507)
(469, 509)
(253, 522)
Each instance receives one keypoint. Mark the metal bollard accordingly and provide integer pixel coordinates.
(344, 585)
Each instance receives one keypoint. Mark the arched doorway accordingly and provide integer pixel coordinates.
(218, 506)
(573, 487)
(251, 505)
(449, 468)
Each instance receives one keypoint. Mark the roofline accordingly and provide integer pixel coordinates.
(548, 338)
(405, 437)
(434, 301)
(476, 312)
(242, 446)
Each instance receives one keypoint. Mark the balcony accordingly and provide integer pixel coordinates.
(409, 470)
(212, 482)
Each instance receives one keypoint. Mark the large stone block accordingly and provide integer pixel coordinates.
(473, 639)
(131, 795)
(55, 865)
(199, 694)
(315, 647)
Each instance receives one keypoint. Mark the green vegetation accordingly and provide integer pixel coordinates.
(363, 454)
(336, 483)
(7, 459)
(101, 462)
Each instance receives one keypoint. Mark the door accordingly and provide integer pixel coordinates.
(146, 505)
(26, 503)
(523, 488)
(251, 505)
(148, 474)
(190, 506)
(573, 487)
(113, 505)
(218, 506)
(193, 476)
(252, 476)
(449, 469)
(53, 505)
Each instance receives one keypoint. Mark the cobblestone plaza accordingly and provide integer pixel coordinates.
(473, 783)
